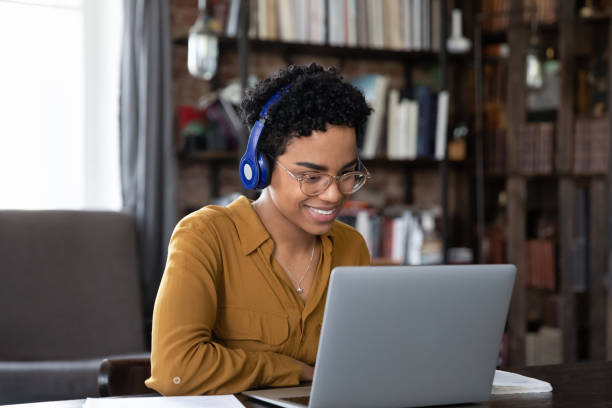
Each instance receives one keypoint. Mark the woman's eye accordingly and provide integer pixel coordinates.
(312, 178)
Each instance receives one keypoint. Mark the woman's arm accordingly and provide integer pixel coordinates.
(184, 359)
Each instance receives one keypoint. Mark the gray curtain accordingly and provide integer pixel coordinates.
(148, 162)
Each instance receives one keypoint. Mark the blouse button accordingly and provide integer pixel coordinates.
(176, 380)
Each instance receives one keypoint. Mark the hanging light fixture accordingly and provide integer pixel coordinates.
(202, 46)
(534, 75)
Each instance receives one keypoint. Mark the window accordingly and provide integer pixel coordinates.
(59, 93)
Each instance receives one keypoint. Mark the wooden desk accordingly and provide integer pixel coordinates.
(580, 385)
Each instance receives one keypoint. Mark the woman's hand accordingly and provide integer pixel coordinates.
(307, 371)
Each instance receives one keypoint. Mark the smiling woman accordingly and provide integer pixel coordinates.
(59, 83)
(242, 297)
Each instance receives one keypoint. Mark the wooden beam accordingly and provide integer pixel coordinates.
(609, 213)
(564, 159)
(567, 309)
(597, 269)
(515, 108)
(516, 188)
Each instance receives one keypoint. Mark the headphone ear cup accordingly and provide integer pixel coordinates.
(264, 171)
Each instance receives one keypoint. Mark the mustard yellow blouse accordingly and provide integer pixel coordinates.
(227, 318)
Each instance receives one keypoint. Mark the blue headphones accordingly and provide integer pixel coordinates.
(254, 167)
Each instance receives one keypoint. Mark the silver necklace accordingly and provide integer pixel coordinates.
(299, 289)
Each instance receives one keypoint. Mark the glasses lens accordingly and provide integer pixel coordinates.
(351, 182)
(314, 184)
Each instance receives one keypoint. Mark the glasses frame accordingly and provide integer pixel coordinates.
(336, 178)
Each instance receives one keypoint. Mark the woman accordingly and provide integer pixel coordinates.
(241, 301)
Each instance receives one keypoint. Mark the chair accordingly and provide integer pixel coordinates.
(70, 297)
(124, 376)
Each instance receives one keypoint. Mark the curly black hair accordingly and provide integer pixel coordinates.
(316, 97)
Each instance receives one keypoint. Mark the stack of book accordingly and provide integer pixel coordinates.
(495, 151)
(591, 146)
(416, 121)
(409, 25)
(537, 141)
(497, 13)
(400, 236)
(417, 128)
(540, 257)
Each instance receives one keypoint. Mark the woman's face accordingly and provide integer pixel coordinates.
(331, 152)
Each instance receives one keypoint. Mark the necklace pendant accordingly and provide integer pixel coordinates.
(299, 290)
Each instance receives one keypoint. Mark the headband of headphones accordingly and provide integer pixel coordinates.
(254, 169)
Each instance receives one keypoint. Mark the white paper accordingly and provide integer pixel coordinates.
(212, 401)
(511, 383)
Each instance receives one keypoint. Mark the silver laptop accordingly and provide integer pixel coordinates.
(406, 336)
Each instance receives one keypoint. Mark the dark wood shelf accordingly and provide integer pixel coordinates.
(295, 48)
(209, 156)
(421, 162)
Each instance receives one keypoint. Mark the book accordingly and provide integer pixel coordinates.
(374, 88)
(441, 125)
(350, 11)
(317, 31)
(505, 382)
(591, 138)
(426, 123)
(336, 27)
(540, 256)
(362, 23)
(286, 23)
(231, 27)
(394, 130)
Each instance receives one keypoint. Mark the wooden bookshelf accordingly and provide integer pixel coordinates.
(584, 317)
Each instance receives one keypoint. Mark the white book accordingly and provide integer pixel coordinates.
(231, 28)
(416, 25)
(300, 18)
(441, 125)
(374, 125)
(336, 22)
(398, 242)
(363, 224)
(262, 15)
(351, 22)
(413, 131)
(287, 26)
(376, 24)
(316, 23)
(395, 24)
(425, 25)
(404, 112)
(407, 24)
(393, 126)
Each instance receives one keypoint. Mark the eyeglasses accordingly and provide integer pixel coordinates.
(313, 184)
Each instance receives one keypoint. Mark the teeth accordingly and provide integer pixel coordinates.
(321, 211)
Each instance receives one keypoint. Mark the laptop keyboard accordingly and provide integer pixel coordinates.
(298, 400)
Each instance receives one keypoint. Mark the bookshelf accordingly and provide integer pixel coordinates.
(247, 52)
(572, 195)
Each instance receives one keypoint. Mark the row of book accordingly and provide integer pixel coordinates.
(406, 236)
(410, 25)
(497, 13)
(536, 149)
(591, 141)
(540, 264)
(417, 127)
(537, 141)
(416, 120)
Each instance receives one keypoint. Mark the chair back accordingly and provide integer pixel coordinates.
(70, 285)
